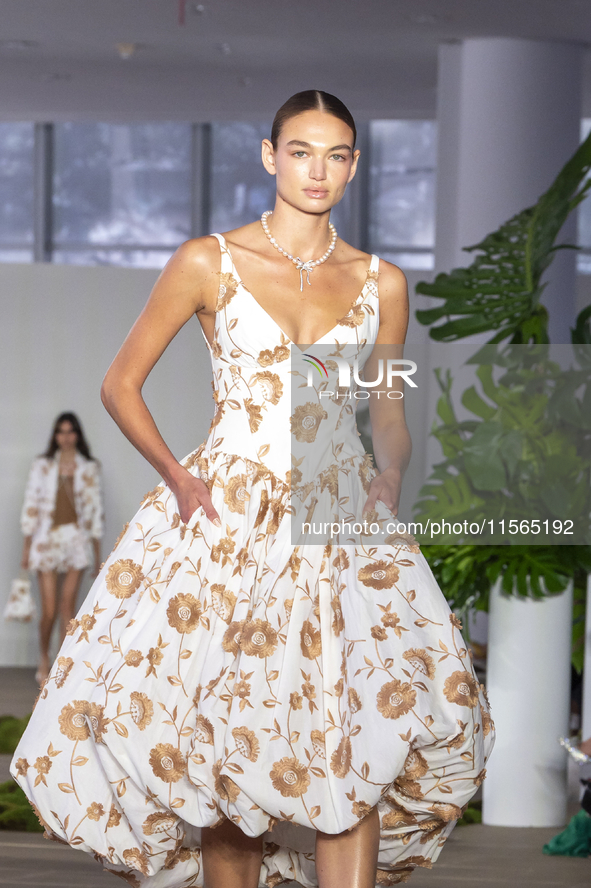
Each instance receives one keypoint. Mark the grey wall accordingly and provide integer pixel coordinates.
(60, 327)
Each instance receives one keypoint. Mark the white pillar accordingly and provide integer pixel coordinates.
(508, 118)
(528, 678)
(586, 705)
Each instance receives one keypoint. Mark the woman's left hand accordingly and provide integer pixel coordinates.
(385, 487)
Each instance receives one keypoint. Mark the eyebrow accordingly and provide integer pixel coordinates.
(307, 145)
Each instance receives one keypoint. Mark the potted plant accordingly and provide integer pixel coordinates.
(524, 584)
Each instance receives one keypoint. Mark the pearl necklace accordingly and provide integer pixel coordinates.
(299, 264)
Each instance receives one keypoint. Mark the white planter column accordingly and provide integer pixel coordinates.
(528, 679)
(586, 706)
(508, 119)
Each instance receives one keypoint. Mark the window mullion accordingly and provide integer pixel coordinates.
(43, 191)
(200, 179)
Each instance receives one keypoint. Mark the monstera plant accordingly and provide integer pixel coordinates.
(501, 290)
(500, 293)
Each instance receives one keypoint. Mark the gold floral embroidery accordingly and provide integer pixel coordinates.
(133, 658)
(310, 641)
(225, 787)
(306, 420)
(204, 730)
(318, 742)
(95, 811)
(258, 639)
(396, 698)
(338, 622)
(355, 703)
(421, 660)
(136, 859)
(167, 762)
(446, 811)
(124, 577)
(354, 317)
(416, 765)
(64, 667)
(223, 601)
(255, 417)
(183, 612)
(461, 688)
(340, 761)
(21, 766)
(231, 639)
(271, 385)
(246, 743)
(379, 575)
(72, 720)
(227, 290)
(159, 822)
(142, 709)
(236, 495)
(95, 714)
(290, 777)
(114, 817)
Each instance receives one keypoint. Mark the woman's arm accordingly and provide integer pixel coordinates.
(391, 439)
(30, 511)
(188, 284)
(97, 519)
(96, 550)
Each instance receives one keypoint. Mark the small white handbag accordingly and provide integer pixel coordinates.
(20, 605)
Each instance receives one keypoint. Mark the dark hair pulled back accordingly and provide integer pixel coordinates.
(311, 100)
(81, 442)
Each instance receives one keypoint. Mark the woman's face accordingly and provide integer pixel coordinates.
(313, 162)
(66, 438)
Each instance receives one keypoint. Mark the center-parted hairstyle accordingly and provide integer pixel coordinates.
(81, 442)
(311, 100)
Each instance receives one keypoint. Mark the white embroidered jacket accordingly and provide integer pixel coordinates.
(41, 492)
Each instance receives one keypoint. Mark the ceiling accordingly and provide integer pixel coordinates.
(233, 59)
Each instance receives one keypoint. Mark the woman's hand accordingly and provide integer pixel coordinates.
(386, 488)
(191, 494)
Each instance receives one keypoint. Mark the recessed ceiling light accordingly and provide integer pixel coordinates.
(18, 45)
(125, 50)
(198, 8)
(424, 18)
(54, 76)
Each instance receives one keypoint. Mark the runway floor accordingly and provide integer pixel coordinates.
(478, 856)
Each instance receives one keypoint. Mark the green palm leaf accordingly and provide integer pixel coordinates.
(501, 290)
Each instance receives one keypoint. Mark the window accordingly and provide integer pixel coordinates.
(402, 191)
(241, 188)
(17, 152)
(129, 194)
(121, 193)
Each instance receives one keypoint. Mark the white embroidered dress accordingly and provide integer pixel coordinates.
(228, 673)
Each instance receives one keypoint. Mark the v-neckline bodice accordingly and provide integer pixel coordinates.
(241, 284)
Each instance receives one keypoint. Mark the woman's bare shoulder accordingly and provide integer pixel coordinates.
(201, 253)
(391, 275)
